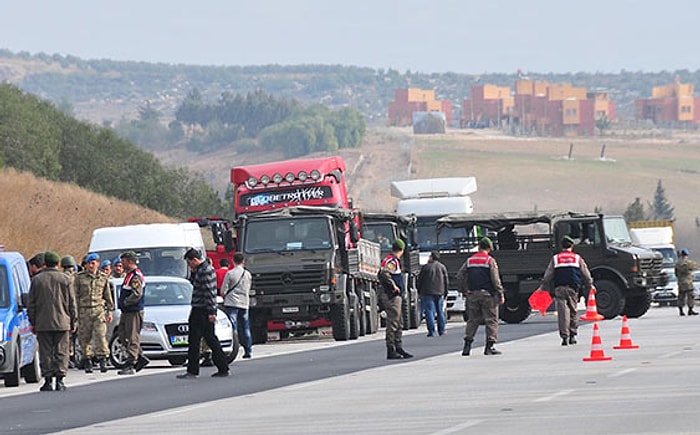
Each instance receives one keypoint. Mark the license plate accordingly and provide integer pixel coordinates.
(290, 309)
(178, 340)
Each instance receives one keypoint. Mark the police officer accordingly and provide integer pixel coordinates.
(684, 273)
(569, 273)
(481, 284)
(95, 306)
(391, 280)
(131, 303)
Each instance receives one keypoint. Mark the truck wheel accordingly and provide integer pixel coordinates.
(117, 351)
(355, 315)
(259, 332)
(361, 314)
(515, 311)
(406, 310)
(637, 306)
(32, 373)
(340, 318)
(415, 310)
(609, 299)
(373, 313)
(12, 378)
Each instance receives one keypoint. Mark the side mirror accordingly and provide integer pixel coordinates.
(228, 240)
(354, 232)
(414, 237)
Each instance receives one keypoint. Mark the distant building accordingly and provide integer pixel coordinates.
(540, 108)
(670, 104)
(410, 100)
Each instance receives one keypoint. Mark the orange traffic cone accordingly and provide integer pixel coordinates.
(597, 353)
(592, 308)
(625, 337)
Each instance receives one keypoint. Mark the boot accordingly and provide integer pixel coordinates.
(403, 353)
(692, 313)
(467, 347)
(391, 353)
(48, 381)
(564, 340)
(490, 350)
(87, 365)
(680, 310)
(103, 365)
(60, 386)
(572, 339)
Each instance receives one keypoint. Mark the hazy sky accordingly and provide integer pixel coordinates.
(465, 36)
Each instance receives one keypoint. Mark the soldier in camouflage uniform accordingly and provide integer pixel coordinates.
(684, 273)
(95, 306)
(118, 268)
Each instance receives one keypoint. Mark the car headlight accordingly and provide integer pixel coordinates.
(223, 321)
(149, 327)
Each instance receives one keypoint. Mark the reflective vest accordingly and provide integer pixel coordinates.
(393, 264)
(127, 287)
(479, 272)
(567, 270)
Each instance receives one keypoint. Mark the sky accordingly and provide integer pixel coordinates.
(461, 36)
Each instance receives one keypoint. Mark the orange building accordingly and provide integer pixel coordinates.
(410, 100)
(670, 104)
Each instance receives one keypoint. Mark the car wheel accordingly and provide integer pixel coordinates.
(12, 378)
(177, 360)
(117, 352)
(32, 373)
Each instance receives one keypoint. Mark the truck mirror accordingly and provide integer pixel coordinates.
(228, 240)
(354, 232)
(414, 236)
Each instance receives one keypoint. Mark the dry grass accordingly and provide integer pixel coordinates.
(38, 215)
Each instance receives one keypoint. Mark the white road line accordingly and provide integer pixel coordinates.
(554, 396)
(458, 428)
(178, 410)
(670, 354)
(622, 372)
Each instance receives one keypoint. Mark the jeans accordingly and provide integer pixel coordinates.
(240, 315)
(432, 307)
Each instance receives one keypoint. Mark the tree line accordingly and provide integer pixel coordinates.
(37, 137)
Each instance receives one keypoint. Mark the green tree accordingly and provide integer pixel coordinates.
(602, 124)
(661, 208)
(635, 211)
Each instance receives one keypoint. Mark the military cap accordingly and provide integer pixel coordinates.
(68, 261)
(684, 252)
(116, 261)
(485, 242)
(567, 241)
(129, 255)
(93, 256)
(398, 245)
(51, 258)
(105, 263)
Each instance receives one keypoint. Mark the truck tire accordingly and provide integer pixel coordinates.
(31, 372)
(12, 378)
(340, 319)
(637, 306)
(415, 316)
(117, 351)
(373, 313)
(258, 330)
(355, 315)
(609, 299)
(515, 311)
(406, 310)
(361, 314)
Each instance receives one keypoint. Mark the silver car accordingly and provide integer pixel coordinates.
(165, 328)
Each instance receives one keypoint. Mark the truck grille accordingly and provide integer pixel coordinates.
(291, 281)
(652, 266)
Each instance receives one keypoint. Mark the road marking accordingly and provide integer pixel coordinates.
(554, 396)
(670, 354)
(622, 372)
(458, 428)
(178, 410)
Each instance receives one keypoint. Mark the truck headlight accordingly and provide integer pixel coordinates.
(325, 298)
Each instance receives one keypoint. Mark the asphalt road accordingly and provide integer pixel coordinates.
(288, 364)
(322, 387)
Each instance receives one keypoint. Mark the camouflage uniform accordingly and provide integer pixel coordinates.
(95, 303)
(684, 273)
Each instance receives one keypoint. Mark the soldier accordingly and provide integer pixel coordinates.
(118, 268)
(69, 265)
(106, 268)
(51, 310)
(131, 303)
(95, 306)
(684, 274)
(391, 279)
(568, 272)
(481, 284)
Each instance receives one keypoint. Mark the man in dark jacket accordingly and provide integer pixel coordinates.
(131, 304)
(432, 287)
(392, 286)
(202, 317)
(52, 312)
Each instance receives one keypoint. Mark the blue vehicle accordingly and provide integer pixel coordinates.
(19, 349)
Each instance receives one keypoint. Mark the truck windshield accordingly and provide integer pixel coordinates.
(382, 233)
(428, 237)
(4, 288)
(278, 235)
(156, 261)
(669, 257)
(616, 230)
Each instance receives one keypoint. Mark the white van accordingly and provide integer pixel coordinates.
(160, 247)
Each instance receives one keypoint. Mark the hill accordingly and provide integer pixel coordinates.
(40, 215)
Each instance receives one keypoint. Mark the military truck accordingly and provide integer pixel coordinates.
(384, 228)
(309, 263)
(624, 275)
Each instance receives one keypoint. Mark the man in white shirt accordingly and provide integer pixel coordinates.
(236, 292)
